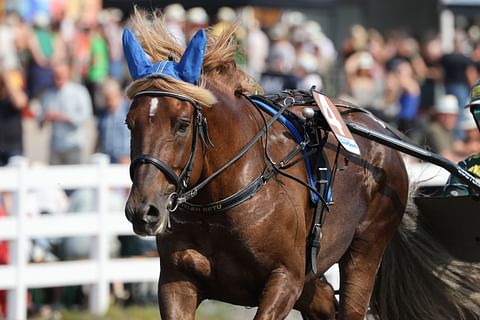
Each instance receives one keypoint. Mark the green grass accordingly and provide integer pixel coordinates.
(207, 311)
(116, 313)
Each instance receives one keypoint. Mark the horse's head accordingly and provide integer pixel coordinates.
(164, 132)
(166, 121)
(165, 127)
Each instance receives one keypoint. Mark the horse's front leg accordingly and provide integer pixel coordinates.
(280, 294)
(177, 298)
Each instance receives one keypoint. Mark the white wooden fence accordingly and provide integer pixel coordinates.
(100, 270)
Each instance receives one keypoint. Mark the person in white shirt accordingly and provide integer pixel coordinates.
(68, 107)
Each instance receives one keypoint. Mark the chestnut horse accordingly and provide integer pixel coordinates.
(254, 253)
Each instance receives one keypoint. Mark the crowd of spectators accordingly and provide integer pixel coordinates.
(416, 86)
(63, 74)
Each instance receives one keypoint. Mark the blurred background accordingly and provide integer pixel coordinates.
(64, 148)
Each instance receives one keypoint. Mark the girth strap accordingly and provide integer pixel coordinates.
(316, 233)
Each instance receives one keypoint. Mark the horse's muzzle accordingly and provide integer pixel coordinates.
(147, 220)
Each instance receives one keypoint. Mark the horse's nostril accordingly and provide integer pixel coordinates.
(151, 215)
(153, 212)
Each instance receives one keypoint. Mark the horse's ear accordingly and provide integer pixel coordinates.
(138, 62)
(190, 66)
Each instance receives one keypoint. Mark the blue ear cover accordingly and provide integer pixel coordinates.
(190, 65)
(188, 69)
(138, 63)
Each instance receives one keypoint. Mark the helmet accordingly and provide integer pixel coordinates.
(474, 97)
(474, 102)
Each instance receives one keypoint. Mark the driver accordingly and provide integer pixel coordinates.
(454, 186)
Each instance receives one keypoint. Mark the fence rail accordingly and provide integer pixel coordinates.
(20, 227)
(100, 270)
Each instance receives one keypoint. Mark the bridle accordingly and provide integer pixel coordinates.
(181, 195)
(200, 129)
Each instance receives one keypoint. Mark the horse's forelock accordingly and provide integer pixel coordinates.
(198, 93)
(219, 62)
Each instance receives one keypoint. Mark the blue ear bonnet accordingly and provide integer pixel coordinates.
(188, 69)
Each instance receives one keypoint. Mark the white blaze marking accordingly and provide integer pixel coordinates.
(153, 107)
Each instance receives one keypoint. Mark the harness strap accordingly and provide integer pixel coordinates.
(316, 232)
(180, 197)
(252, 188)
(194, 191)
(326, 181)
(294, 127)
(235, 199)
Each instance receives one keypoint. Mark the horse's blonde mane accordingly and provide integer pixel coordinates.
(219, 64)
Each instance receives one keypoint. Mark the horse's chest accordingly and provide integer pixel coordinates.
(191, 261)
(209, 266)
(219, 272)
(220, 256)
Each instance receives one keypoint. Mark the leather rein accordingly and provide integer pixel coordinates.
(181, 196)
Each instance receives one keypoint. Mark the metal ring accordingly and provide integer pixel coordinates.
(288, 101)
(172, 203)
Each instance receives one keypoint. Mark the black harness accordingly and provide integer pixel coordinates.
(181, 196)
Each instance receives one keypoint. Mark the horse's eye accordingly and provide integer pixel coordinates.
(182, 126)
